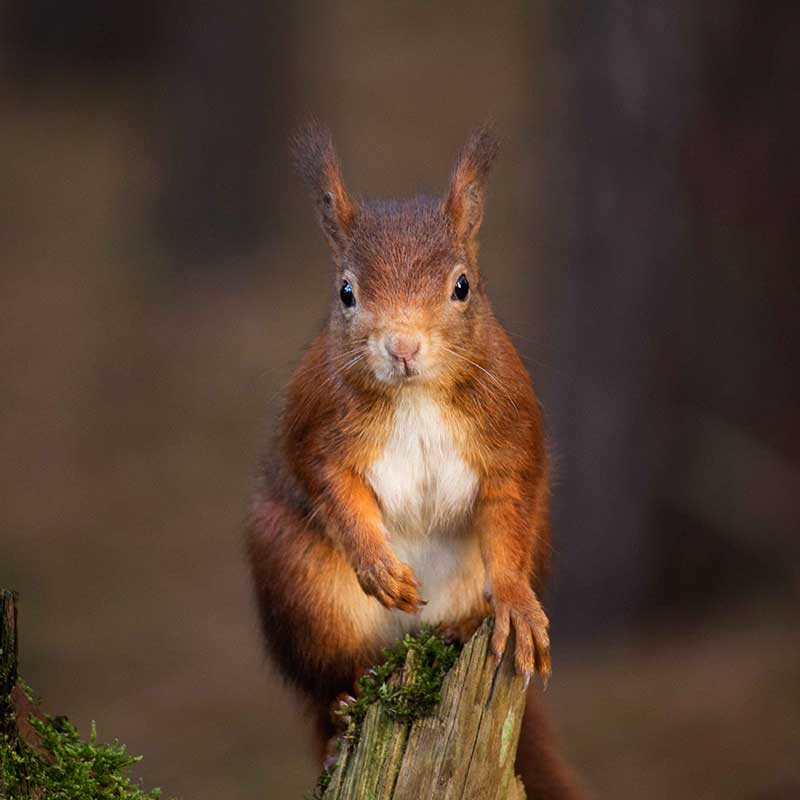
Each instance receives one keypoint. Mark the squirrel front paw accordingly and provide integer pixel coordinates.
(391, 582)
(522, 608)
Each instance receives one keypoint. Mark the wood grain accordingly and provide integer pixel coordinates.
(466, 749)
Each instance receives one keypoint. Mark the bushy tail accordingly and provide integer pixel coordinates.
(544, 773)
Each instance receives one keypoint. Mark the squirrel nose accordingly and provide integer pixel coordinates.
(403, 347)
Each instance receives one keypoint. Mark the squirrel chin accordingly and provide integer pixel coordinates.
(407, 379)
(393, 375)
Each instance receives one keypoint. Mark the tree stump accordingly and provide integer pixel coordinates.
(8, 659)
(8, 668)
(465, 749)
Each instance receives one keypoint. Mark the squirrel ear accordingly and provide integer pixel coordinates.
(316, 162)
(464, 204)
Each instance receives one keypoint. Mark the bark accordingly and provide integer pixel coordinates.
(8, 659)
(8, 668)
(466, 748)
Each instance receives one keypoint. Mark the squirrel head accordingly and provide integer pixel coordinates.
(408, 299)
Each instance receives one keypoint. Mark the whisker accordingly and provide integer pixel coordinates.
(491, 377)
(340, 368)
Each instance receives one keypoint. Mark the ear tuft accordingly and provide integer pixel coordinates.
(316, 162)
(464, 204)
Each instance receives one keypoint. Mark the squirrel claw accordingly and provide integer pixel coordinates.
(340, 710)
(532, 644)
(497, 654)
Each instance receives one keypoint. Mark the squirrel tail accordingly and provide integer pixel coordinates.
(544, 773)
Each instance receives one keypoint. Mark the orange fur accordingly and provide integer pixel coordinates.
(322, 556)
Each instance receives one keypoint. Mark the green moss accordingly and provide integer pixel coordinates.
(73, 769)
(426, 659)
(429, 659)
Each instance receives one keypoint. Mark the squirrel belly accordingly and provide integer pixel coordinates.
(427, 493)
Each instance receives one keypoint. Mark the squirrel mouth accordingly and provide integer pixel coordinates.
(403, 373)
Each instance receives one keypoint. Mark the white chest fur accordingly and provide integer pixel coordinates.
(424, 485)
(427, 492)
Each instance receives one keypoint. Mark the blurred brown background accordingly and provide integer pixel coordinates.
(161, 273)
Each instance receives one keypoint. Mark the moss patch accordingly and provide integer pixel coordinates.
(63, 766)
(423, 660)
(429, 659)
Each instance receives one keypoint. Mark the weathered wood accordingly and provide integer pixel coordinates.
(8, 669)
(465, 749)
(16, 708)
(8, 659)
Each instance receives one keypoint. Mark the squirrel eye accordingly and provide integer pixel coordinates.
(461, 289)
(346, 294)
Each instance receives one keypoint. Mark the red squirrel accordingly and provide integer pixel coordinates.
(409, 481)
